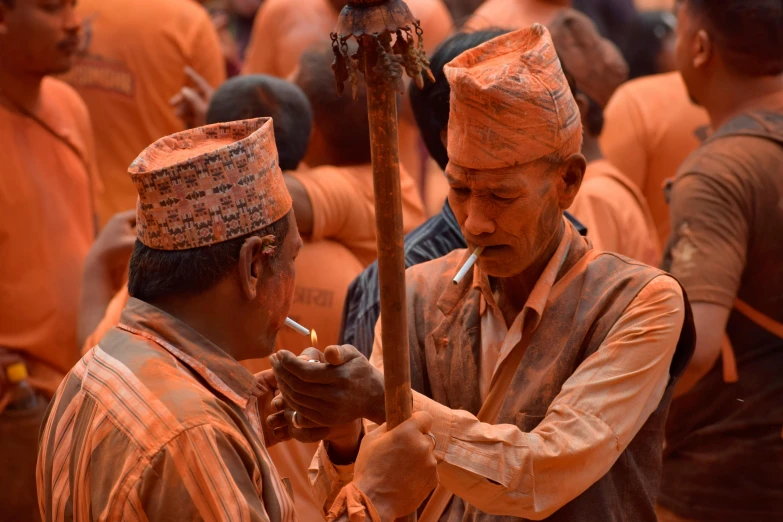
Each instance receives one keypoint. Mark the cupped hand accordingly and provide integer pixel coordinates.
(344, 388)
(397, 469)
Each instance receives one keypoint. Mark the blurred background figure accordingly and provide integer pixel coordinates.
(47, 223)
(612, 207)
(131, 62)
(284, 29)
(648, 45)
(333, 195)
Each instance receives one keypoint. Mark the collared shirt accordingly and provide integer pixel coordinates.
(438, 236)
(157, 423)
(597, 413)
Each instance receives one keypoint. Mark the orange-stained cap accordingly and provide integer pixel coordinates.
(208, 185)
(595, 63)
(510, 102)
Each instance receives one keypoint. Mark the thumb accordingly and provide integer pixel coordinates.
(337, 355)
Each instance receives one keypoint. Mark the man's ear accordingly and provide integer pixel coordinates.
(571, 179)
(703, 48)
(251, 265)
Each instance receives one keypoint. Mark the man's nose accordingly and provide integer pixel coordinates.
(477, 222)
(73, 21)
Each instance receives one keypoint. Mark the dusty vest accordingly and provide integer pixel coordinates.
(445, 353)
(724, 458)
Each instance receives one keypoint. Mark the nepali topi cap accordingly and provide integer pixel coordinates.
(594, 62)
(207, 185)
(510, 102)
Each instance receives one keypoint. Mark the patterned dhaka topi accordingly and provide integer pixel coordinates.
(510, 102)
(208, 185)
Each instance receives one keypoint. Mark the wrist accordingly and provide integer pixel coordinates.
(379, 502)
(343, 443)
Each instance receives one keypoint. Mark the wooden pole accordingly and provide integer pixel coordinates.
(382, 111)
(384, 31)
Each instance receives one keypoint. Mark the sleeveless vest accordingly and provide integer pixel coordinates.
(445, 353)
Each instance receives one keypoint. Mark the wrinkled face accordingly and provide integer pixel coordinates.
(512, 212)
(38, 36)
(276, 290)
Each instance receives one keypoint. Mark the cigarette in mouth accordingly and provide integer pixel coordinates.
(296, 326)
(467, 266)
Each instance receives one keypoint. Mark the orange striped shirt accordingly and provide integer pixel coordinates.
(157, 423)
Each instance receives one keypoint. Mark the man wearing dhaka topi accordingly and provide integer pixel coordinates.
(549, 368)
(159, 422)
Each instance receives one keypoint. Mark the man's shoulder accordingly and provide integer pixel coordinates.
(146, 392)
(733, 159)
(58, 93)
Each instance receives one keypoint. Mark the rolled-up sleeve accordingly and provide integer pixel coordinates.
(502, 470)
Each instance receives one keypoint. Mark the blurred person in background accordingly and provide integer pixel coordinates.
(612, 208)
(48, 181)
(724, 441)
(648, 45)
(131, 62)
(283, 30)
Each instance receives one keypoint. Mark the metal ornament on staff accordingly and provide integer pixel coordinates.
(384, 31)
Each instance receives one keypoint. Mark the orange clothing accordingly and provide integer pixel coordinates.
(324, 271)
(283, 30)
(512, 14)
(655, 5)
(616, 214)
(46, 228)
(651, 127)
(157, 423)
(133, 62)
(532, 468)
(343, 202)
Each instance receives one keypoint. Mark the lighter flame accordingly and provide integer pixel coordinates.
(313, 338)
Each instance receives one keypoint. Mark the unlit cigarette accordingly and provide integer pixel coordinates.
(467, 266)
(296, 326)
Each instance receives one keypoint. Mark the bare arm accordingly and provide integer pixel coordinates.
(105, 269)
(303, 207)
(710, 320)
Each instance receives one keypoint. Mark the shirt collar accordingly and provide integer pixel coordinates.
(537, 300)
(191, 348)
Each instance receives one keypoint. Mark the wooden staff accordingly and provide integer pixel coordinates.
(384, 31)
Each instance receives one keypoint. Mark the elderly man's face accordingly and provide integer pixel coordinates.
(512, 212)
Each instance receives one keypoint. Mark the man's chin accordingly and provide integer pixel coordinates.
(62, 66)
(501, 268)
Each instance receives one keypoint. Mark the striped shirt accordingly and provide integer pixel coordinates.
(156, 423)
(438, 236)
